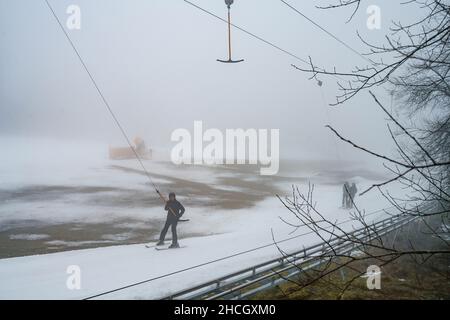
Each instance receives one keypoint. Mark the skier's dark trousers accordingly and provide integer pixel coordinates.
(174, 212)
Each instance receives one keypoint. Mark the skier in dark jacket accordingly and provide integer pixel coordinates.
(174, 212)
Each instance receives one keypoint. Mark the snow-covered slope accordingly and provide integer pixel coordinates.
(103, 269)
(222, 231)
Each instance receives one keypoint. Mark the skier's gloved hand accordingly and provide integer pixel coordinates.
(182, 209)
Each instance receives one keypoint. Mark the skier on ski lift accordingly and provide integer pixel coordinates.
(174, 212)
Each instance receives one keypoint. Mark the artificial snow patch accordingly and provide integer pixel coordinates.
(75, 243)
(28, 236)
(118, 237)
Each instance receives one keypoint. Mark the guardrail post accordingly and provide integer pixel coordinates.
(341, 270)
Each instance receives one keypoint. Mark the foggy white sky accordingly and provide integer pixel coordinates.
(155, 61)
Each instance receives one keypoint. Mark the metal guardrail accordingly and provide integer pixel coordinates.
(249, 281)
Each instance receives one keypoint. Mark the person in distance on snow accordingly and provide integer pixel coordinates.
(174, 212)
(346, 195)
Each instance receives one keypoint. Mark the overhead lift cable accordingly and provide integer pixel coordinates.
(325, 30)
(256, 36)
(108, 107)
(247, 32)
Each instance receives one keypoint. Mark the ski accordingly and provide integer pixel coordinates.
(167, 248)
